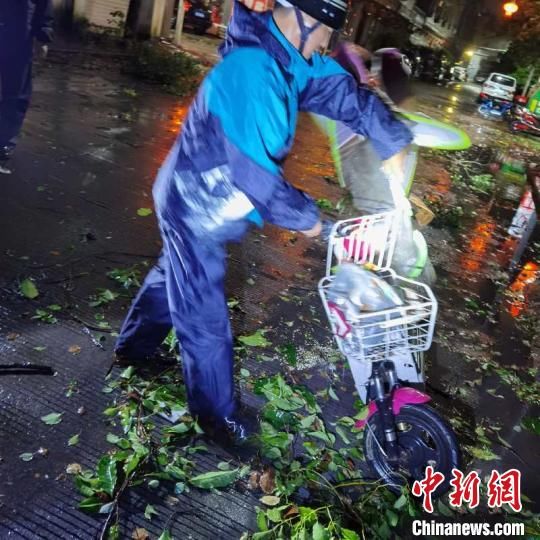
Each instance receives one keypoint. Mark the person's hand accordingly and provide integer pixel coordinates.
(395, 166)
(314, 231)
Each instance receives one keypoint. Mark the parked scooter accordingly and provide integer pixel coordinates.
(524, 121)
(495, 109)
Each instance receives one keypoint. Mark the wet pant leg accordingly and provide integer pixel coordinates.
(148, 321)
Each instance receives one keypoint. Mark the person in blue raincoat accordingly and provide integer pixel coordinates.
(224, 174)
(21, 21)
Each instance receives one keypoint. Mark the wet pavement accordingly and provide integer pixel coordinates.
(92, 144)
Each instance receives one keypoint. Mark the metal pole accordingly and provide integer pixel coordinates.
(179, 23)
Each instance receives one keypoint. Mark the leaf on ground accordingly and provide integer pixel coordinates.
(270, 500)
(150, 511)
(12, 336)
(165, 535)
(332, 394)
(224, 466)
(27, 456)
(268, 481)
(74, 440)
(484, 453)
(215, 479)
(28, 289)
(74, 349)
(250, 281)
(39, 348)
(52, 418)
(140, 534)
(91, 504)
(107, 474)
(143, 212)
(74, 468)
(255, 340)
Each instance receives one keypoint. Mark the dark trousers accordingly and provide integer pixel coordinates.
(185, 290)
(15, 93)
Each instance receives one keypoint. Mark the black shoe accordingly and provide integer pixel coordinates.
(6, 152)
(236, 429)
(230, 429)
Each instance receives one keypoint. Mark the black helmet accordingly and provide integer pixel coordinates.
(331, 13)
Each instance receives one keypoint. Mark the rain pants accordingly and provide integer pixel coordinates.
(20, 22)
(224, 174)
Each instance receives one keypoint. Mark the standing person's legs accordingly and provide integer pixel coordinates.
(198, 308)
(15, 91)
(148, 321)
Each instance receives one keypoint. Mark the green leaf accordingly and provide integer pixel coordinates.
(215, 479)
(39, 348)
(179, 488)
(255, 340)
(74, 440)
(132, 463)
(150, 511)
(143, 212)
(274, 515)
(153, 483)
(178, 429)
(27, 456)
(112, 438)
(332, 394)
(290, 353)
(54, 307)
(401, 502)
(114, 532)
(319, 532)
(532, 424)
(224, 466)
(28, 289)
(307, 422)
(127, 373)
(262, 524)
(326, 437)
(347, 534)
(91, 504)
(52, 418)
(343, 434)
(244, 372)
(392, 518)
(165, 535)
(483, 453)
(107, 474)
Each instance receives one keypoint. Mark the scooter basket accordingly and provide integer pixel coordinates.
(381, 335)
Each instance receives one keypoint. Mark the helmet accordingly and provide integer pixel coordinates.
(331, 13)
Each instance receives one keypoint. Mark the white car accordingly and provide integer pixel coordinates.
(498, 86)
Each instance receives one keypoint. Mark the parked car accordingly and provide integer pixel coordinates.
(498, 86)
(197, 17)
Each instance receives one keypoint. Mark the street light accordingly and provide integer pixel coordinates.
(469, 53)
(510, 9)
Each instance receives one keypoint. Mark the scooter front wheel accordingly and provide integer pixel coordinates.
(424, 439)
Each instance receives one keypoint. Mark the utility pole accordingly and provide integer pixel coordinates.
(179, 23)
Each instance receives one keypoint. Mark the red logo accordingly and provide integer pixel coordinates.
(502, 488)
(465, 489)
(505, 489)
(427, 486)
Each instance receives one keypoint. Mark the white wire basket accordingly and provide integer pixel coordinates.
(367, 239)
(383, 335)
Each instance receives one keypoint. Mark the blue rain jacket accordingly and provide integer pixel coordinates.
(241, 126)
